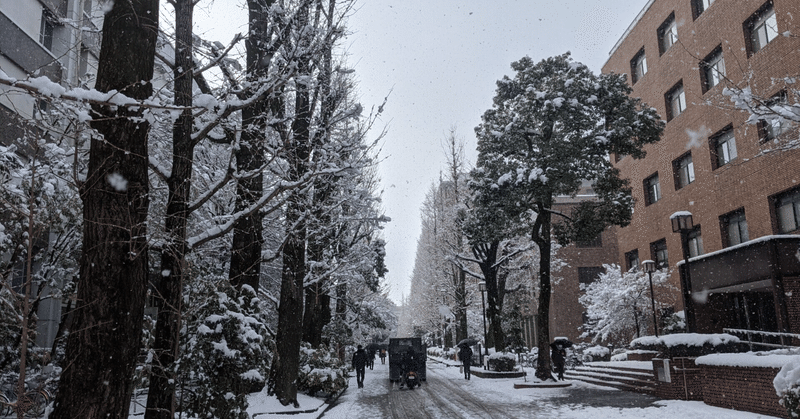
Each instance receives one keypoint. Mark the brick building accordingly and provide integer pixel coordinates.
(59, 39)
(733, 176)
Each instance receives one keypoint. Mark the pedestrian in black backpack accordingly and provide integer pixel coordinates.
(360, 364)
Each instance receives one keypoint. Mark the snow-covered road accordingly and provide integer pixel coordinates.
(447, 394)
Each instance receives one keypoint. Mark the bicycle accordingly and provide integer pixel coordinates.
(33, 403)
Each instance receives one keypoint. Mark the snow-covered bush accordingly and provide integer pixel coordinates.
(675, 323)
(502, 361)
(320, 370)
(226, 352)
(787, 386)
(618, 304)
(438, 351)
(596, 353)
(690, 344)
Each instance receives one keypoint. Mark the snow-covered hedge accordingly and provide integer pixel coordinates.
(320, 371)
(502, 361)
(690, 344)
(438, 351)
(787, 386)
(596, 353)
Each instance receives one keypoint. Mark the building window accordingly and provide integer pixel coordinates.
(652, 190)
(683, 170)
(700, 6)
(712, 69)
(597, 241)
(723, 148)
(87, 8)
(667, 34)
(632, 259)
(676, 101)
(787, 211)
(658, 251)
(589, 275)
(638, 66)
(772, 128)
(695, 242)
(761, 28)
(734, 228)
(46, 29)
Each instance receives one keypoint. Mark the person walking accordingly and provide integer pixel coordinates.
(370, 356)
(383, 356)
(465, 354)
(360, 364)
(559, 355)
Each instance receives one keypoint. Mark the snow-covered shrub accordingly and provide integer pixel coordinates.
(596, 353)
(675, 323)
(690, 344)
(618, 304)
(225, 354)
(320, 370)
(438, 351)
(787, 386)
(502, 361)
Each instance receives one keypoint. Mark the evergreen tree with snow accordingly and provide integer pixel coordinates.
(552, 126)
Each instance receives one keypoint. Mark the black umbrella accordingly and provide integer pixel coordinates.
(562, 342)
(467, 342)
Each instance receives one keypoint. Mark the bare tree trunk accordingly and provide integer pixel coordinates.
(318, 302)
(161, 401)
(290, 312)
(104, 342)
(248, 239)
(487, 255)
(541, 236)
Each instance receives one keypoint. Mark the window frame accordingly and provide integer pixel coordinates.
(667, 33)
(647, 183)
(719, 158)
(683, 171)
(47, 28)
(638, 66)
(676, 94)
(764, 18)
(793, 198)
(658, 248)
(589, 274)
(700, 6)
(695, 241)
(737, 218)
(712, 69)
(766, 128)
(631, 256)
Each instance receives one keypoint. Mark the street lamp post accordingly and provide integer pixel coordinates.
(682, 222)
(482, 288)
(649, 266)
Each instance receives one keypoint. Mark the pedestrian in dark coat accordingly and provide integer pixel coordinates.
(383, 356)
(360, 364)
(559, 355)
(465, 354)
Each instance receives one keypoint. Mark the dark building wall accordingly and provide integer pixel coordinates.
(566, 313)
(747, 182)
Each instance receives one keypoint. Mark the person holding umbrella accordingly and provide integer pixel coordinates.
(465, 354)
(559, 355)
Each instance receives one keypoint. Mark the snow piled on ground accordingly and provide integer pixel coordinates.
(748, 359)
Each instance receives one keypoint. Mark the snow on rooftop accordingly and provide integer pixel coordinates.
(741, 245)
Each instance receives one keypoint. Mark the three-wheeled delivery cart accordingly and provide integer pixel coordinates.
(407, 350)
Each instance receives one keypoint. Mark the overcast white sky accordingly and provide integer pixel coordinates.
(440, 59)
